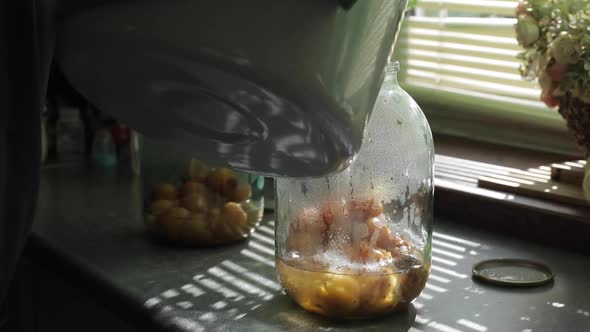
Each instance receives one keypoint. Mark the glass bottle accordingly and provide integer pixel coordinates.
(188, 202)
(104, 153)
(357, 244)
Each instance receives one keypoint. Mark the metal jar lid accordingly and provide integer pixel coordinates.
(512, 272)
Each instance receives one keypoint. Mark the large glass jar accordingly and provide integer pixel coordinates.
(357, 244)
(188, 202)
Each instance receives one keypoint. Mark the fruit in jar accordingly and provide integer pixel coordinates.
(216, 181)
(177, 212)
(307, 234)
(380, 294)
(385, 239)
(353, 225)
(165, 191)
(172, 220)
(229, 187)
(195, 202)
(197, 228)
(330, 247)
(214, 205)
(242, 193)
(338, 295)
(150, 219)
(327, 294)
(341, 295)
(413, 282)
(234, 214)
(160, 206)
(191, 187)
(220, 226)
(369, 208)
(198, 171)
(214, 214)
(364, 253)
(215, 200)
(254, 214)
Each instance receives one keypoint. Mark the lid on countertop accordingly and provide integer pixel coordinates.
(512, 272)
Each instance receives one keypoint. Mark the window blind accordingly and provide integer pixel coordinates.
(464, 51)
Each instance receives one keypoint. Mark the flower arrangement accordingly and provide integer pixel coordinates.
(556, 38)
(555, 35)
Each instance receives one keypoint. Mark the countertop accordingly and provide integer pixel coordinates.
(90, 221)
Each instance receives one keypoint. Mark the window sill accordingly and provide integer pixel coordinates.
(458, 198)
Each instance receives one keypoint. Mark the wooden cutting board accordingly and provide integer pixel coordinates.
(560, 182)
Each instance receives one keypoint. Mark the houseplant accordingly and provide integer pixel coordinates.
(555, 35)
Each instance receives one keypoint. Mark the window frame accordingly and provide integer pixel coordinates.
(500, 121)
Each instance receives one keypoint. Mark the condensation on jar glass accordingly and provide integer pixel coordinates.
(357, 244)
(189, 202)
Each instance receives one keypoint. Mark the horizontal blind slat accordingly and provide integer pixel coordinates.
(503, 27)
(510, 67)
(488, 22)
(508, 79)
(466, 38)
(458, 48)
(472, 84)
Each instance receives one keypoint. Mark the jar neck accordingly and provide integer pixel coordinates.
(391, 71)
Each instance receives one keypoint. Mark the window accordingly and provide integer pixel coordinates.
(459, 62)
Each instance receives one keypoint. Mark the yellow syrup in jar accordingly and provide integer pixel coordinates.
(354, 294)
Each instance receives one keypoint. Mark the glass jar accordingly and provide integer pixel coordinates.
(104, 153)
(357, 244)
(188, 202)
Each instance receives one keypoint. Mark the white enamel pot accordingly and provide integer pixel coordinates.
(279, 87)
